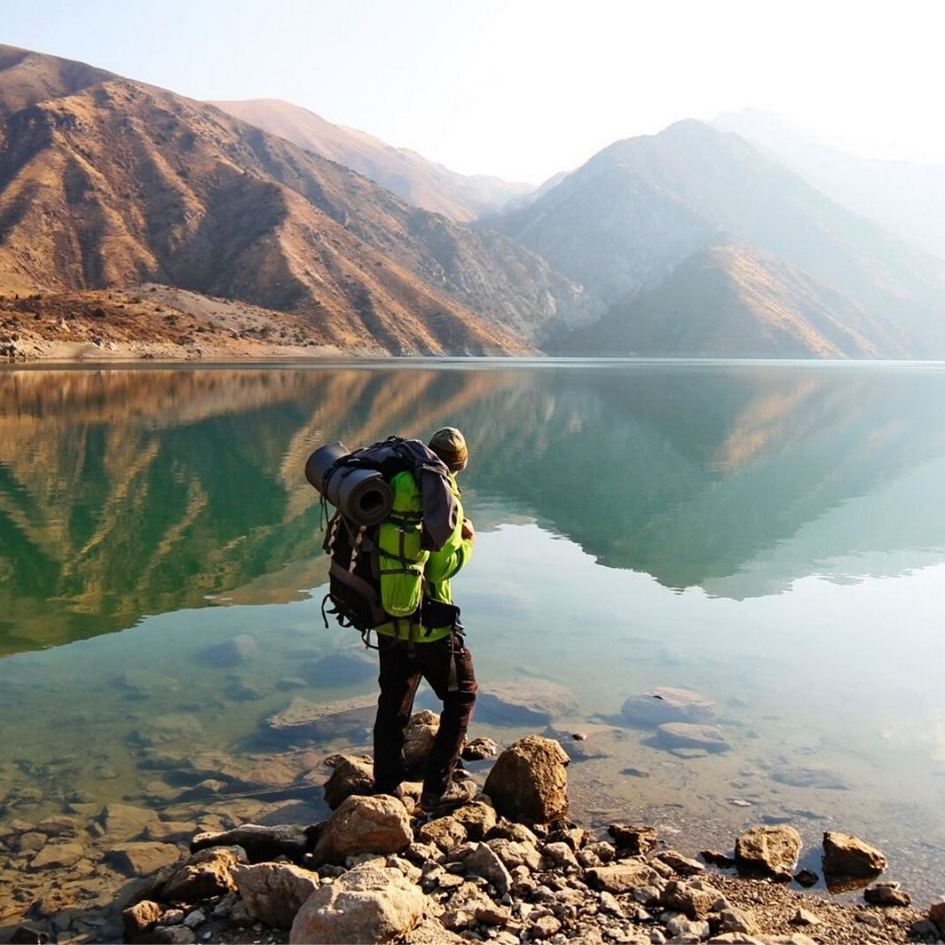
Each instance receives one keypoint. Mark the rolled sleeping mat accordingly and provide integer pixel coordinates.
(321, 461)
(359, 494)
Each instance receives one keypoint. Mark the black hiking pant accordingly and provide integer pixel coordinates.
(447, 666)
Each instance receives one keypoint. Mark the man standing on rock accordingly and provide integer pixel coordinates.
(429, 645)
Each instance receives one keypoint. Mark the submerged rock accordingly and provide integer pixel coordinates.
(348, 718)
(524, 701)
(687, 735)
(667, 704)
(351, 666)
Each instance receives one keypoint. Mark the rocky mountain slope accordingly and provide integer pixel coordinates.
(105, 182)
(689, 242)
(410, 176)
(699, 244)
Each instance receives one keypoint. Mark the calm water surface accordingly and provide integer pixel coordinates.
(770, 535)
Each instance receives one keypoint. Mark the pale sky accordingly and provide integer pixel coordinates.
(522, 89)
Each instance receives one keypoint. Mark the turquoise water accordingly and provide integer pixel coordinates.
(771, 535)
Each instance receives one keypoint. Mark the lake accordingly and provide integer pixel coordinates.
(770, 535)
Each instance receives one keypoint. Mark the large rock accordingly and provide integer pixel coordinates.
(376, 824)
(667, 704)
(524, 701)
(143, 858)
(127, 822)
(350, 777)
(529, 781)
(205, 875)
(418, 740)
(274, 892)
(676, 735)
(483, 861)
(937, 915)
(623, 876)
(260, 842)
(846, 856)
(768, 850)
(302, 719)
(367, 904)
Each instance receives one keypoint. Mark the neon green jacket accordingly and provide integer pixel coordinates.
(410, 574)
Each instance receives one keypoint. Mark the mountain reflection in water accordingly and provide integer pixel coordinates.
(769, 535)
(133, 492)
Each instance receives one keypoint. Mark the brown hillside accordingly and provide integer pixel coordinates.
(420, 182)
(730, 299)
(119, 183)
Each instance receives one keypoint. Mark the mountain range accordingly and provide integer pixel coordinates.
(692, 242)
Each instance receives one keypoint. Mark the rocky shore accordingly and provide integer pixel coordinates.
(508, 866)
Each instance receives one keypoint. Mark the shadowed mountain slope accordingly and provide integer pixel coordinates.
(728, 298)
(626, 222)
(108, 182)
(410, 176)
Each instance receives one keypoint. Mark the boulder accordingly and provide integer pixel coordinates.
(58, 856)
(478, 819)
(887, 894)
(633, 839)
(937, 915)
(260, 843)
(623, 876)
(348, 718)
(418, 740)
(367, 904)
(694, 900)
(674, 735)
(349, 777)
(206, 874)
(667, 704)
(140, 917)
(524, 701)
(378, 825)
(846, 856)
(143, 858)
(127, 822)
(768, 850)
(274, 892)
(446, 833)
(529, 781)
(479, 749)
(483, 861)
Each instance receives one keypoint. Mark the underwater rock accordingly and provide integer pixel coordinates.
(524, 701)
(667, 704)
(343, 719)
(686, 735)
(346, 668)
(240, 649)
(809, 778)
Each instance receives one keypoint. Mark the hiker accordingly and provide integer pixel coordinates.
(428, 644)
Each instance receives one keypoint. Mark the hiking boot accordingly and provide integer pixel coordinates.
(457, 794)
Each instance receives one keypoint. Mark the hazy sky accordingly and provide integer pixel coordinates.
(524, 88)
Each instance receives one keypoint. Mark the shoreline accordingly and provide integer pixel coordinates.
(68, 877)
